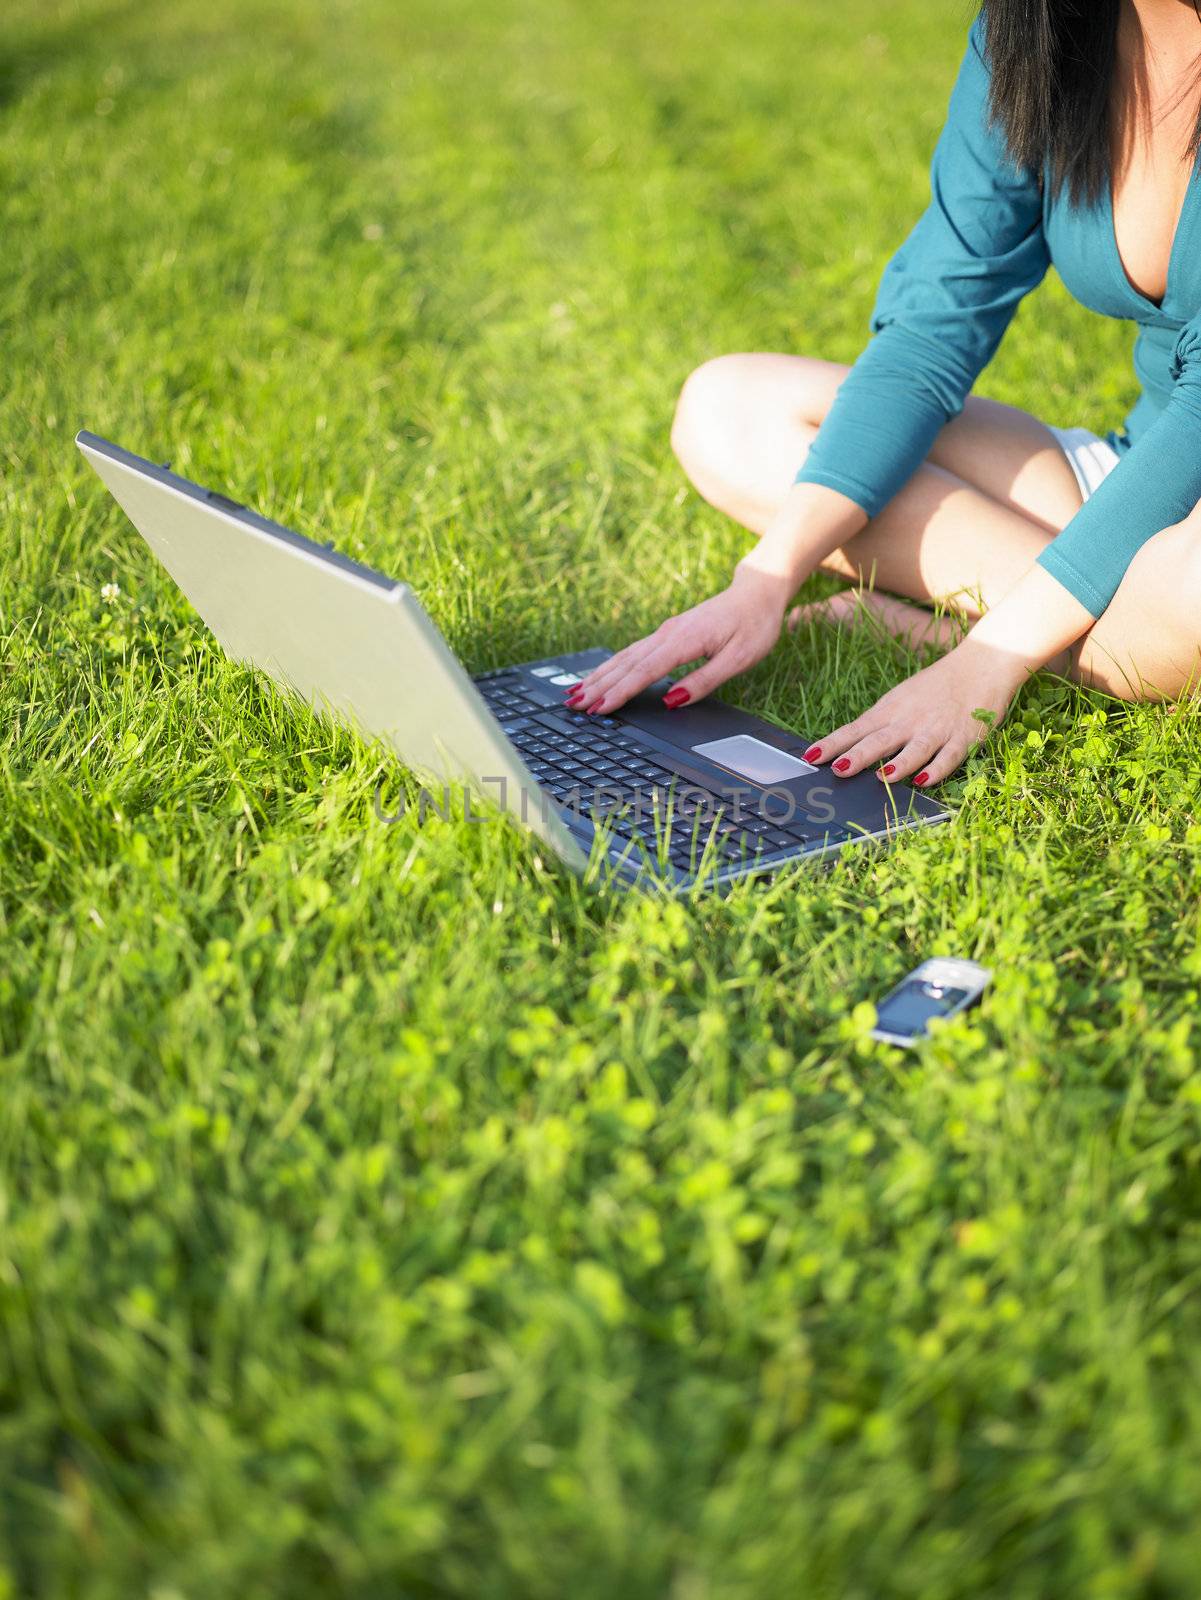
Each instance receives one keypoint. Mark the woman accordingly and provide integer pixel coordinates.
(1072, 138)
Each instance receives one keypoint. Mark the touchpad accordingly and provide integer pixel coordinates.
(753, 759)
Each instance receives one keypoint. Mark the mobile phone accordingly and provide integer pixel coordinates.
(938, 988)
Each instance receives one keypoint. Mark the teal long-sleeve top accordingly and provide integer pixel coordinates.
(945, 300)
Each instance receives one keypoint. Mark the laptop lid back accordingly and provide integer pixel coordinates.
(348, 641)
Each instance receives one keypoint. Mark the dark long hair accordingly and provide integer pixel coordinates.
(1052, 64)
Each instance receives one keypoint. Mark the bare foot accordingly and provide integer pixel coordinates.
(911, 624)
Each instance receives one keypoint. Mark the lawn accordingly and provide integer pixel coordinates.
(383, 1212)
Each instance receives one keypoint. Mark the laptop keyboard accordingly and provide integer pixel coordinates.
(599, 768)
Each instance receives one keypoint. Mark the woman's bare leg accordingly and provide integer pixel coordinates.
(994, 491)
(965, 528)
(1147, 643)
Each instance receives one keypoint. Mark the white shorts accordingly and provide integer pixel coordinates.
(1092, 459)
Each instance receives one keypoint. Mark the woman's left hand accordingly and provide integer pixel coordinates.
(925, 727)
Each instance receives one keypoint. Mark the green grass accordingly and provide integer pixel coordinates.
(382, 1213)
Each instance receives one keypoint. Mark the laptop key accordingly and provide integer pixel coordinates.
(776, 840)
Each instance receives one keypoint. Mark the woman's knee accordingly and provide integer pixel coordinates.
(1147, 644)
(741, 428)
(1183, 556)
(709, 404)
(1165, 574)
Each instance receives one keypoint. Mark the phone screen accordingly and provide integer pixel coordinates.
(908, 1009)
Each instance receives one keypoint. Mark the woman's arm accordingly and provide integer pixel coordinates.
(1156, 484)
(944, 302)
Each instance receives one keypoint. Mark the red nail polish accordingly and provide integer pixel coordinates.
(573, 695)
(922, 777)
(841, 765)
(889, 769)
(676, 697)
(814, 753)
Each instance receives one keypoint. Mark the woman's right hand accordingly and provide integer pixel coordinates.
(732, 631)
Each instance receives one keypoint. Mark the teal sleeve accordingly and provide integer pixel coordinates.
(944, 303)
(1157, 482)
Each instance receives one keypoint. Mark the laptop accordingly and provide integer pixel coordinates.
(704, 794)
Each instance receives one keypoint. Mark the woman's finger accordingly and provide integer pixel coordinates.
(868, 750)
(942, 764)
(675, 641)
(670, 654)
(584, 695)
(616, 663)
(606, 669)
(914, 757)
(832, 746)
(724, 665)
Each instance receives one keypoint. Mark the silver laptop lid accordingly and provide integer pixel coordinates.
(350, 642)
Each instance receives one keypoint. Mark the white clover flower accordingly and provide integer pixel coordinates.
(110, 592)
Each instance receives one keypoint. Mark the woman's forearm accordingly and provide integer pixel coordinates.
(1034, 623)
(812, 522)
